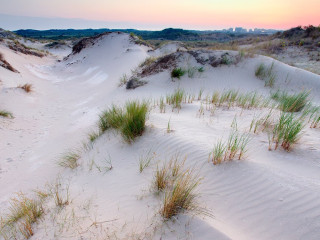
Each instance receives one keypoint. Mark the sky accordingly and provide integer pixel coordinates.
(154, 15)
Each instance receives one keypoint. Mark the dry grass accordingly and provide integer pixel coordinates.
(181, 196)
(167, 174)
(23, 213)
(145, 159)
(70, 160)
(26, 87)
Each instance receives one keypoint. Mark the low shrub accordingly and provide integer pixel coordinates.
(177, 73)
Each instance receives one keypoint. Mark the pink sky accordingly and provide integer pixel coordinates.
(189, 14)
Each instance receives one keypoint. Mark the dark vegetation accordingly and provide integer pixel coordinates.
(166, 34)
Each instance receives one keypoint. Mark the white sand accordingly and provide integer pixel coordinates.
(268, 195)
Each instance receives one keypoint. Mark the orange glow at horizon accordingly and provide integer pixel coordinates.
(281, 14)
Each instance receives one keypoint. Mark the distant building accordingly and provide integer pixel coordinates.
(240, 30)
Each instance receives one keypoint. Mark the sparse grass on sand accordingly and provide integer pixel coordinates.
(123, 80)
(70, 160)
(177, 73)
(130, 120)
(175, 99)
(26, 87)
(6, 114)
(148, 61)
(291, 102)
(267, 74)
(236, 146)
(145, 160)
(287, 130)
(22, 214)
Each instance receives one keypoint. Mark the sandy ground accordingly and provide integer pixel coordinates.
(268, 195)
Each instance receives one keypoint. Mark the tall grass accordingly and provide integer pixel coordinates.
(287, 130)
(130, 120)
(134, 120)
(267, 74)
(111, 118)
(175, 99)
(235, 146)
(291, 102)
(182, 195)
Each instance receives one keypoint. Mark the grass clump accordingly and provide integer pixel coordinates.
(123, 80)
(177, 73)
(182, 195)
(6, 114)
(267, 74)
(111, 118)
(260, 71)
(130, 120)
(175, 99)
(26, 87)
(167, 174)
(145, 160)
(23, 213)
(236, 146)
(70, 160)
(291, 102)
(134, 120)
(287, 131)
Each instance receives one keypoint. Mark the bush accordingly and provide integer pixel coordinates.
(177, 73)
